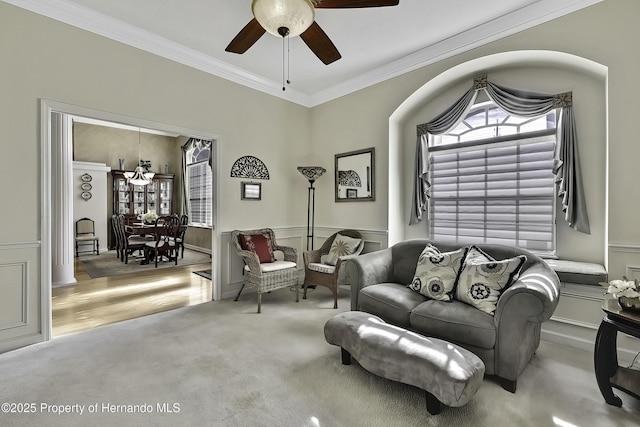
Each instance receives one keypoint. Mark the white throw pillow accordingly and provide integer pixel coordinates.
(436, 273)
(342, 246)
(482, 279)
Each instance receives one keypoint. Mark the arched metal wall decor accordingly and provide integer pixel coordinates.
(349, 178)
(249, 167)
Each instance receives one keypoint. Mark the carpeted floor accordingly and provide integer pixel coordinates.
(222, 364)
(107, 264)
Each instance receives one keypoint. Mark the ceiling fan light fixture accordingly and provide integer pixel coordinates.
(294, 15)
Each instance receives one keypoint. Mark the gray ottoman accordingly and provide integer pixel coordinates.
(449, 374)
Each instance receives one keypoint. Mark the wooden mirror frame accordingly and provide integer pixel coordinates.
(358, 167)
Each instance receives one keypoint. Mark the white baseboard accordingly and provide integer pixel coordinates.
(198, 249)
(21, 341)
(626, 344)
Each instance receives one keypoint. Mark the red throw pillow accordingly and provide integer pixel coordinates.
(260, 244)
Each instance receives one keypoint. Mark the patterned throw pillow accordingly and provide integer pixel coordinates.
(436, 273)
(342, 246)
(260, 244)
(482, 279)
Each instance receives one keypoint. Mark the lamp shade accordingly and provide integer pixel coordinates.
(312, 172)
(295, 15)
(139, 176)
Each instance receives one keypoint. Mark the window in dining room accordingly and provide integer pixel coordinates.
(198, 182)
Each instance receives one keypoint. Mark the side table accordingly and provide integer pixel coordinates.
(605, 356)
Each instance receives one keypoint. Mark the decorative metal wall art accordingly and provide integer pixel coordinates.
(249, 167)
(349, 178)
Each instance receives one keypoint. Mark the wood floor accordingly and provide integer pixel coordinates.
(101, 301)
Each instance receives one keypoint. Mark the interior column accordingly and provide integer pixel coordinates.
(62, 228)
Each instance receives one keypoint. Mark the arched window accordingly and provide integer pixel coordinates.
(492, 179)
(198, 182)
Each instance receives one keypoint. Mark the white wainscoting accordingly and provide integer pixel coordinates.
(295, 237)
(579, 313)
(20, 288)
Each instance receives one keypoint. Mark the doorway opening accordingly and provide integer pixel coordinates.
(57, 236)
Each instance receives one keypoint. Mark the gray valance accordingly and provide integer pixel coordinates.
(521, 103)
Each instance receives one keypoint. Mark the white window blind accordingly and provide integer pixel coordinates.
(495, 193)
(200, 188)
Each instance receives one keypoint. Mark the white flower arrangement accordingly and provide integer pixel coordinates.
(622, 288)
(149, 217)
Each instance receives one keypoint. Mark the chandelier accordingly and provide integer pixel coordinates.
(139, 176)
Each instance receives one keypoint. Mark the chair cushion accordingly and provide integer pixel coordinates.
(391, 301)
(482, 279)
(322, 268)
(260, 244)
(86, 238)
(152, 244)
(341, 246)
(454, 321)
(138, 240)
(436, 273)
(274, 266)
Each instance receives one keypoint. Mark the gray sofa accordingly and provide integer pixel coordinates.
(505, 341)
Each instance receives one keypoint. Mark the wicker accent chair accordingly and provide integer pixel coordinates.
(317, 272)
(266, 276)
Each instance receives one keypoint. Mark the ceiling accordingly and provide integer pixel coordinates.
(376, 43)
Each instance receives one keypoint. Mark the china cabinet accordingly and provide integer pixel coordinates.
(129, 199)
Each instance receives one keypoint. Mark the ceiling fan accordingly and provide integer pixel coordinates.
(290, 18)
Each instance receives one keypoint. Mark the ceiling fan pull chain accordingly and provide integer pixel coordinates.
(283, 62)
(288, 59)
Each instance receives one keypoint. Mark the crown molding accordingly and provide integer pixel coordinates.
(86, 19)
(506, 25)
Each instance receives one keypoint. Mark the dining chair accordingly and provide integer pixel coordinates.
(167, 229)
(86, 235)
(184, 224)
(128, 243)
(118, 244)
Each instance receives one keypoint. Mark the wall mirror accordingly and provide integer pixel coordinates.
(355, 176)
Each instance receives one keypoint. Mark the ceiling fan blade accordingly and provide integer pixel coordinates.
(320, 44)
(246, 37)
(344, 4)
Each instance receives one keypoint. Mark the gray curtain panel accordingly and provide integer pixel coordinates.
(521, 103)
(421, 182)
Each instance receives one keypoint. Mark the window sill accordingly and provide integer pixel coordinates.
(209, 227)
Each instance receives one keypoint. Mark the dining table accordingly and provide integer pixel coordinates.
(140, 228)
(143, 229)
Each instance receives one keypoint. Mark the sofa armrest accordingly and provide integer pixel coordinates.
(368, 269)
(541, 285)
(521, 309)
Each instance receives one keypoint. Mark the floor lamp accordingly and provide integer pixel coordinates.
(311, 173)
